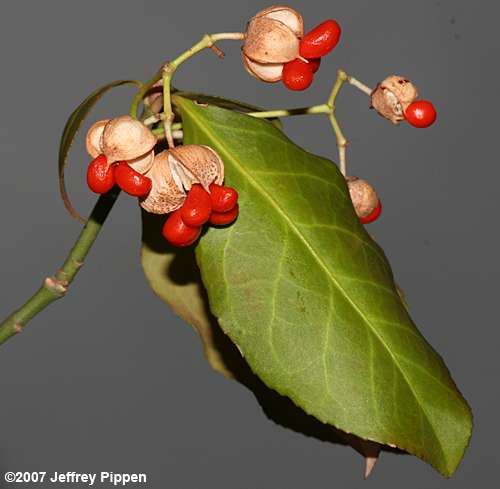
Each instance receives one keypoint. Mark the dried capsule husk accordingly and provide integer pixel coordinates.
(165, 195)
(270, 41)
(391, 97)
(93, 138)
(195, 163)
(363, 196)
(267, 72)
(143, 163)
(126, 138)
(286, 15)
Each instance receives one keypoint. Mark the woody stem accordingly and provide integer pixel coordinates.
(56, 286)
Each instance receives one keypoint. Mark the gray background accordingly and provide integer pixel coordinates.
(108, 378)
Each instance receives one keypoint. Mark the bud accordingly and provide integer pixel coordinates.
(363, 196)
(272, 39)
(391, 97)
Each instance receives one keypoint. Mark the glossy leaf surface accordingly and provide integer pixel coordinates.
(309, 298)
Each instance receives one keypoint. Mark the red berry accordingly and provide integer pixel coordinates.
(314, 64)
(321, 40)
(130, 181)
(421, 113)
(177, 233)
(224, 218)
(373, 216)
(223, 198)
(297, 75)
(197, 207)
(100, 175)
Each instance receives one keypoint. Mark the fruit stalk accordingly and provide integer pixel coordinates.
(207, 41)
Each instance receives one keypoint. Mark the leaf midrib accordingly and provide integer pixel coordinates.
(320, 262)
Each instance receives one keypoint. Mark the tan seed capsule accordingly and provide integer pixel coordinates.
(196, 164)
(391, 97)
(126, 138)
(270, 41)
(93, 139)
(363, 196)
(269, 72)
(165, 195)
(144, 163)
(286, 15)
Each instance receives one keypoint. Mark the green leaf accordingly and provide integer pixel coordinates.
(71, 128)
(309, 298)
(174, 276)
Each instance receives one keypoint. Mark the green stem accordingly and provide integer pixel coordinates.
(134, 106)
(269, 114)
(207, 41)
(341, 143)
(56, 286)
(342, 77)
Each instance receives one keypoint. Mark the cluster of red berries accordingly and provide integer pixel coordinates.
(102, 177)
(299, 73)
(218, 207)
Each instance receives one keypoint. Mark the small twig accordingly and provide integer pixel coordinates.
(218, 52)
(359, 85)
(341, 140)
(341, 143)
(270, 114)
(151, 120)
(55, 287)
(207, 41)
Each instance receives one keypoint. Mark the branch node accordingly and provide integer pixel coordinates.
(18, 328)
(56, 286)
